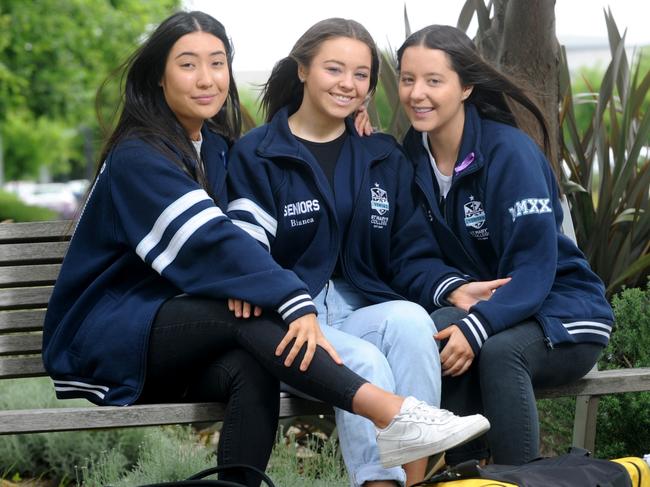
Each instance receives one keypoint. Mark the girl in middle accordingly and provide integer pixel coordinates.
(338, 210)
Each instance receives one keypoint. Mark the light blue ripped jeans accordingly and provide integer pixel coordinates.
(391, 345)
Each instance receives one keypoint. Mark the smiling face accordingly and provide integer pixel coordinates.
(196, 80)
(431, 91)
(337, 80)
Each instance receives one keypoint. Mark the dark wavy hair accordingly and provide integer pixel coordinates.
(491, 87)
(144, 111)
(285, 89)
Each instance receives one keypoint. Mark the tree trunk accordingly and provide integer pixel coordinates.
(521, 42)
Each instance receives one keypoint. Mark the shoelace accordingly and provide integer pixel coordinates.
(423, 412)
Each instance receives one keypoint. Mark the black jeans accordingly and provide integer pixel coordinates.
(198, 351)
(500, 382)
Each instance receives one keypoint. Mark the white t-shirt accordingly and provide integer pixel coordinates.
(197, 146)
(444, 182)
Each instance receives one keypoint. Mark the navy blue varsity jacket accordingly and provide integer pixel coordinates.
(502, 217)
(147, 233)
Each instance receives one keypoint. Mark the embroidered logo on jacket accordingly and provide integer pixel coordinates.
(379, 203)
(475, 218)
(530, 206)
(301, 208)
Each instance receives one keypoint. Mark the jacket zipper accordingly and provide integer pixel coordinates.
(346, 273)
(445, 219)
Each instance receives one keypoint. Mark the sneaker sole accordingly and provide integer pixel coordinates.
(402, 456)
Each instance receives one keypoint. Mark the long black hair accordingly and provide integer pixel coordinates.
(284, 88)
(491, 87)
(144, 111)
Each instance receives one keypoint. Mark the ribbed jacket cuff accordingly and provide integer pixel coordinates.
(475, 331)
(445, 287)
(295, 306)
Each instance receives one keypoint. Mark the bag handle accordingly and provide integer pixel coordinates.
(200, 480)
(464, 470)
(241, 466)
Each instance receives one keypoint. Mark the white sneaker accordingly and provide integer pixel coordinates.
(420, 430)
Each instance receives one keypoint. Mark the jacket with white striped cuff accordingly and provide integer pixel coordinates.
(280, 196)
(502, 217)
(149, 232)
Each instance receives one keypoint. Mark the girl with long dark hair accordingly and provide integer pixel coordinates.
(138, 313)
(494, 205)
(338, 210)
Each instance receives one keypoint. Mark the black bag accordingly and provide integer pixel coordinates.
(574, 469)
(199, 479)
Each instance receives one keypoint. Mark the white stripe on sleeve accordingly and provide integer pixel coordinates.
(443, 287)
(300, 297)
(166, 217)
(295, 308)
(101, 395)
(588, 331)
(254, 231)
(265, 220)
(80, 384)
(587, 324)
(182, 235)
(478, 325)
(470, 325)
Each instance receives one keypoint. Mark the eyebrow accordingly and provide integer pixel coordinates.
(343, 64)
(190, 53)
(431, 73)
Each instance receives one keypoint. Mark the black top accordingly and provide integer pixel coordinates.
(326, 154)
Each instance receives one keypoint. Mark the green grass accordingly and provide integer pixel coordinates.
(11, 208)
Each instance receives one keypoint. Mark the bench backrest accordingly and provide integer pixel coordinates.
(30, 259)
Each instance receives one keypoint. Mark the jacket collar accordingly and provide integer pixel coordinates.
(278, 141)
(213, 143)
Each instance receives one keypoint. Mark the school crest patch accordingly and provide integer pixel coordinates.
(379, 200)
(379, 203)
(475, 219)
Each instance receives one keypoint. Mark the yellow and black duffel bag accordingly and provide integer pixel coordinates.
(575, 469)
(638, 470)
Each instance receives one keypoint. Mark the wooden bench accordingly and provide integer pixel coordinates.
(30, 259)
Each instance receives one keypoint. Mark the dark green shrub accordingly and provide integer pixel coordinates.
(623, 424)
(624, 419)
(556, 424)
(608, 168)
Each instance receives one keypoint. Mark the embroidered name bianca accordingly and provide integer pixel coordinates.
(300, 207)
(529, 206)
(296, 223)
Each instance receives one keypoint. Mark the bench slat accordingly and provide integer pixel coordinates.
(602, 382)
(33, 275)
(21, 320)
(29, 297)
(41, 252)
(18, 368)
(65, 419)
(51, 230)
(21, 344)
